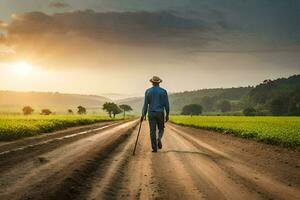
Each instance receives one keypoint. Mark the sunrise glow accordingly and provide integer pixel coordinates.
(22, 68)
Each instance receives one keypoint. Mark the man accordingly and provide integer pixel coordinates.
(156, 102)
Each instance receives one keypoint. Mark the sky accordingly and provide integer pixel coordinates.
(113, 47)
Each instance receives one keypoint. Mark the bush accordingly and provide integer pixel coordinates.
(250, 111)
(46, 112)
(192, 109)
(81, 110)
(27, 110)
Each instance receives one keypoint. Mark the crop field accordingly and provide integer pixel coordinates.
(275, 130)
(14, 127)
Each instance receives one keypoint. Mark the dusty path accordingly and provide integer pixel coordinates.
(193, 164)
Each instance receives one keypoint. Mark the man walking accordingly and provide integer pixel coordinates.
(156, 102)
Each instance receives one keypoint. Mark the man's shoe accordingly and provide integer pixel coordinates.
(159, 144)
(154, 151)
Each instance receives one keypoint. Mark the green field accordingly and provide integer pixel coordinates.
(14, 127)
(275, 130)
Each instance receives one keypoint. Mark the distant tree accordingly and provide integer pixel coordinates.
(108, 107)
(125, 108)
(207, 103)
(81, 110)
(192, 109)
(250, 111)
(27, 110)
(278, 96)
(224, 106)
(46, 111)
(70, 111)
(267, 81)
(116, 111)
(111, 108)
(279, 105)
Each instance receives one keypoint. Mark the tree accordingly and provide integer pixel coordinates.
(192, 109)
(278, 97)
(70, 111)
(125, 108)
(116, 110)
(107, 106)
(27, 110)
(46, 111)
(250, 111)
(207, 103)
(111, 108)
(81, 110)
(224, 106)
(279, 105)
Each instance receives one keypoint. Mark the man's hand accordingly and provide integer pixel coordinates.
(167, 118)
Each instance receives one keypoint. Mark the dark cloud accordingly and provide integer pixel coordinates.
(59, 5)
(212, 30)
(129, 28)
(81, 35)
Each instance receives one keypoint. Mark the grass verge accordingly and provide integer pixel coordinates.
(16, 126)
(273, 130)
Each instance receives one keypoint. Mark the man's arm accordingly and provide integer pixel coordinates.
(145, 107)
(167, 107)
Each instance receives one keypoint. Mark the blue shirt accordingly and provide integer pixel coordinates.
(156, 100)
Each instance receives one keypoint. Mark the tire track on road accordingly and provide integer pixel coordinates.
(253, 181)
(139, 180)
(24, 152)
(17, 150)
(101, 166)
(65, 169)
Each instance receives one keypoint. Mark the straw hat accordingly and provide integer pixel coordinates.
(155, 79)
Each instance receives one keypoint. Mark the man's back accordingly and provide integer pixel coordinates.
(157, 100)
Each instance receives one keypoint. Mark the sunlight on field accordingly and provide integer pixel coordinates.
(275, 130)
(13, 127)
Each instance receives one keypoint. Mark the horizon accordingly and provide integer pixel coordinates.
(116, 47)
(129, 96)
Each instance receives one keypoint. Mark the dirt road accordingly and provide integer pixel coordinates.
(95, 162)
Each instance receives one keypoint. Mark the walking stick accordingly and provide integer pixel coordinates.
(137, 138)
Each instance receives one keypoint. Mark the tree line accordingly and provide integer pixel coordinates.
(110, 107)
(272, 97)
(275, 97)
(197, 109)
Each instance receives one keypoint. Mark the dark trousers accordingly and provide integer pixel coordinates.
(156, 120)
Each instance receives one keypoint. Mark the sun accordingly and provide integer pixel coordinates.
(22, 68)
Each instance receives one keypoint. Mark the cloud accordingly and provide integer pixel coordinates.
(6, 50)
(3, 25)
(6, 53)
(59, 5)
(89, 35)
(198, 31)
(2, 38)
(93, 35)
(130, 28)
